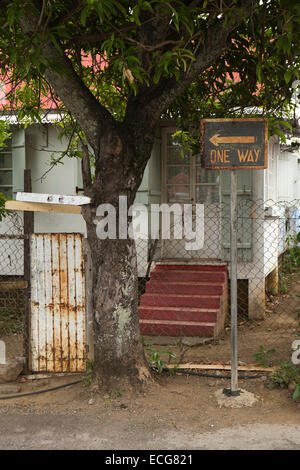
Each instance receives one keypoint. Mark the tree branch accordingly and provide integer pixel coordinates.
(156, 100)
(89, 113)
(86, 168)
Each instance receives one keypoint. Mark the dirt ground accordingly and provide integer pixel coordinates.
(176, 412)
(177, 402)
(180, 400)
(174, 405)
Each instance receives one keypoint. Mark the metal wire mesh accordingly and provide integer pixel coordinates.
(185, 293)
(185, 281)
(11, 274)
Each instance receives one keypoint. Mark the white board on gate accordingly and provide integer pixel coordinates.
(53, 199)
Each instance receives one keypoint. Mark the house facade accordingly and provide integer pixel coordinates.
(172, 177)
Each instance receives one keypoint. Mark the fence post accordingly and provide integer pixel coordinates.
(89, 299)
(233, 284)
(28, 230)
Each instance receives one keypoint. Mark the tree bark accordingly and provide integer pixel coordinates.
(120, 361)
(119, 355)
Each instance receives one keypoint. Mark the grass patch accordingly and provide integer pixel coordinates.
(11, 320)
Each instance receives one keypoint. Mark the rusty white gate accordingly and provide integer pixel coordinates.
(57, 319)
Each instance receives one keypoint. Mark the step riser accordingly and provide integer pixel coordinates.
(164, 288)
(185, 276)
(176, 330)
(170, 301)
(209, 317)
(192, 267)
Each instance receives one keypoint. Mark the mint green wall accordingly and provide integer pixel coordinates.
(150, 193)
(18, 159)
(244, 225)
(150, 189)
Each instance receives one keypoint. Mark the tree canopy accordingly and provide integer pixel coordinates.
(177, 59)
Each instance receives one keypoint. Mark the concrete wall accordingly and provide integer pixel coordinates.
(41, 142)
(149, 193)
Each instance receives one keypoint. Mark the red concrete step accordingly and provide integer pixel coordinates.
(192, 267)
(184, 300)
(184, 287)
(180, 300)
(166, 328)
(182, 275)
(178, 314)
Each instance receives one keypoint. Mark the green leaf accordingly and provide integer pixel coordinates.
(136, 12)
(83, 16)
(280, 133)
(157, 75)
(283, 123)
(287, 76)
(296, 393)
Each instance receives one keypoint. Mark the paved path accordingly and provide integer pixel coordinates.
(86, 432)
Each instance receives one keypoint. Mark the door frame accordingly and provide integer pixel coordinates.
(192, 167)
(192, 185)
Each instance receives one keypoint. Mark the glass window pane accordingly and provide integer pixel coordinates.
(7, 192)
(7, 145)
(178, 193)
(207, 193)
(178, 175)
(207, 176)
(198, 158)
(6, 177)
(172, 140)
(5, 160)
(175, 156)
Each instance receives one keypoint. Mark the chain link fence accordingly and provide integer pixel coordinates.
(12, 282)
(184, 280)
(185, 290)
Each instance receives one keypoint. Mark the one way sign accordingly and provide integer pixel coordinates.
(234, 143)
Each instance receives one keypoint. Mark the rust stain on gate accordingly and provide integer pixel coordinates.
(57, 325)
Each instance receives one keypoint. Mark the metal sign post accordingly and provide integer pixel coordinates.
(232, 144)
(233, 284)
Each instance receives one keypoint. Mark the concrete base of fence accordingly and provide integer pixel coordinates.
(257, 298)
(175, 340)
(244, 399)
(272, 282)
(11, 370)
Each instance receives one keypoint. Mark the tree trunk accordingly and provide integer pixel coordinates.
(120, 361)
(119, 357)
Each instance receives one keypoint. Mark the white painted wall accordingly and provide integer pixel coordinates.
(271, 172)
(289, 176)
(41, 142)
(265, 232)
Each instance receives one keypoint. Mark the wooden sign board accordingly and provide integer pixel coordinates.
(36, 202)
(229, 144)
(41, 207)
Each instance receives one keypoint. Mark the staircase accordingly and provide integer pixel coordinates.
(184, 300)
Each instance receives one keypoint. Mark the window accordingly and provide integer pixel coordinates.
(6, 170)
(185, 180)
